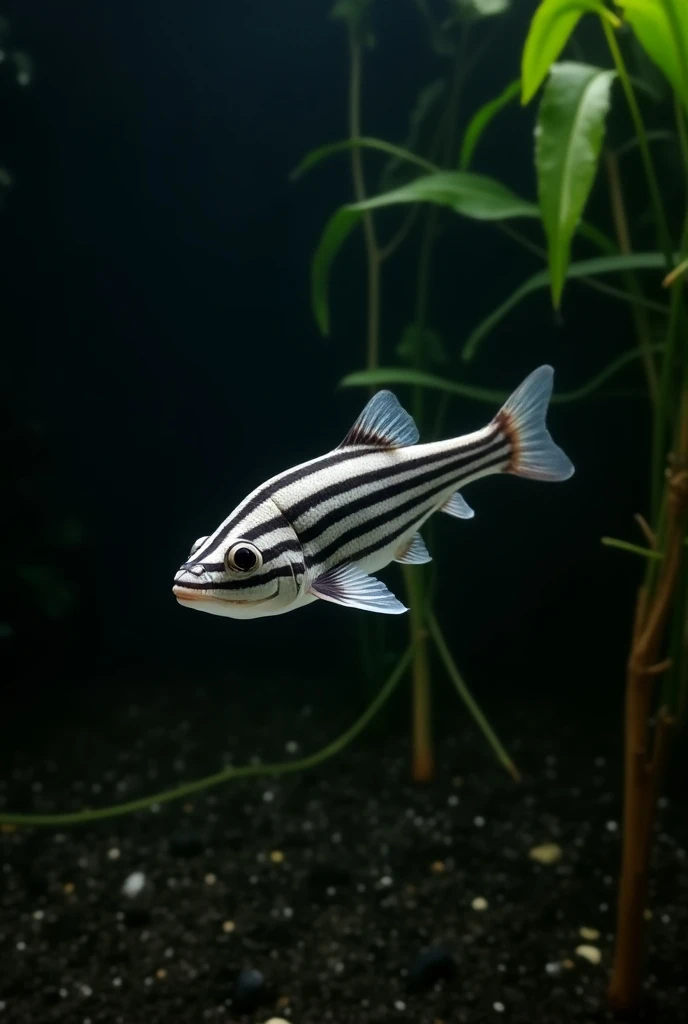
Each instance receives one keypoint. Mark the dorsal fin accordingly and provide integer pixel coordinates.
(384, 423)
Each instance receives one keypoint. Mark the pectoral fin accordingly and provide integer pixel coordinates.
(350, 586)
(413, 552)
(457, 507)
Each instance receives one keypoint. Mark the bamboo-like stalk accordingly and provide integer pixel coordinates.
(646, 754)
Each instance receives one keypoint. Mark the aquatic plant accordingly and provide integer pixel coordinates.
(570, 154)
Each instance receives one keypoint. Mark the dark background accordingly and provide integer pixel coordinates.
(157, 331)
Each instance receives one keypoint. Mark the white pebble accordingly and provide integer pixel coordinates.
(499, 1007)
(478, 821)
(116, 982)
(38, 915)
(291, 747)
(86, 991)
(21, 946)
(400, 1005)
(479, 903)
(268, 796)
(553, 968)
(113, 854)
(590, 953)
(134, 883)
(612, 826)
(385, 881)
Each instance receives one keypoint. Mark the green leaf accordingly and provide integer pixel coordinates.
(385, 376)
(472, 195)
(482, 119)
(662, 28)
(330, 148)
(570, 129)
(582, 268)
(635, 549)
(550, 30)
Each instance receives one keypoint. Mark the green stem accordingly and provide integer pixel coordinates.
(227, 774)
(373, 255)
(465, 694)
(653, 184)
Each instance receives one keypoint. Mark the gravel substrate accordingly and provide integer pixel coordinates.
(343, 894)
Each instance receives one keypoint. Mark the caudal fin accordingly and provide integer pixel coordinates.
(522, 418)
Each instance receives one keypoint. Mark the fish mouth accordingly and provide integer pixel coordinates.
(185, 595)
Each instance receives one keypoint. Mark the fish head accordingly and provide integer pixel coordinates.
(239, 577)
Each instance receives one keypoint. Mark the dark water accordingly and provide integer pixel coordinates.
(161, 359)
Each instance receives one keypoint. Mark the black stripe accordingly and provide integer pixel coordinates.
(325, 555)
(268, 490)
(310, 533)
(267, 553)
(292, 512)
(297, 569)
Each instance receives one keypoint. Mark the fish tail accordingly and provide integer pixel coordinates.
(522, 419)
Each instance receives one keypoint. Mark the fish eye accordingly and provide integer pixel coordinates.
(243, 557)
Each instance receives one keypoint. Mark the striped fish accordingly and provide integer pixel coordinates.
(320, 530)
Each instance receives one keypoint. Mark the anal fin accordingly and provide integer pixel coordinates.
(413, 552)
(351, 587)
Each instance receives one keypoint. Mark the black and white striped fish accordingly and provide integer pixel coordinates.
(319, 530)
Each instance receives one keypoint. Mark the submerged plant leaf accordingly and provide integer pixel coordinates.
(482, 118)
(549, 32)
(315, 156)
(570, 129)
(385, 376)
(662, 28)
(582, 268)
(472, 195)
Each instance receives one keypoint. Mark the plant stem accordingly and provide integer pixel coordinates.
(372, 251)
(652, 183)
(227, 774)
(466, 696)
(423, 758)
(623, 238)
(644, 767)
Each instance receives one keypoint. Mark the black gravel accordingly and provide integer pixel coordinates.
(343, 894)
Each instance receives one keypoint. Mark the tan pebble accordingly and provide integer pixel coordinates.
(8, 827)
(161, 973)
(68, 888)
(276, 856)
(210, 878)
(590, 953)
(547, 853)
(568, 964)
(480, 903)
(188, 807)
(589, 934)
(647, 914)
(437, 867)
(277, 1020)
(282, 1002)
(228, 926)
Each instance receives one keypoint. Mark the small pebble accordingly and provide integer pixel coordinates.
(134, 884)
(479, 903)
(228, 926)
(499, 1007)
(546, 853)
(113, 854)
(210, 879)
(590, 953)
(589, 934)
(276, 856)
(437, 867)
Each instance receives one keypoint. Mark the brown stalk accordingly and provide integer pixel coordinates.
(645, 754)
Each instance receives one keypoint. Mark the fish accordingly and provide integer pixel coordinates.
(321, 530)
